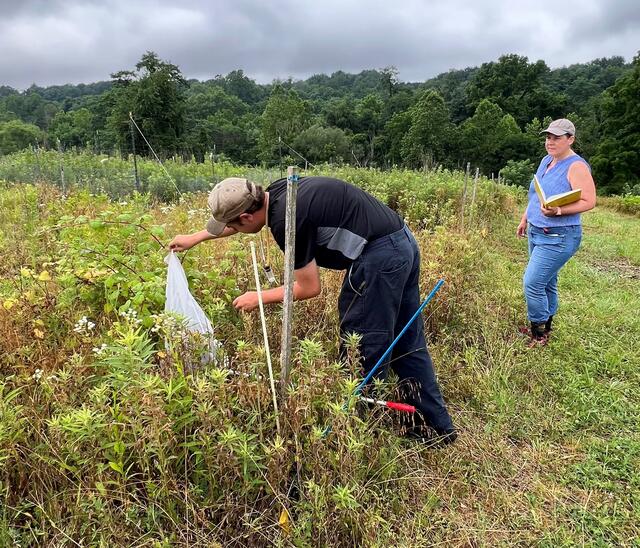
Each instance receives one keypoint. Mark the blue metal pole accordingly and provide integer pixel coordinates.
(364, 382)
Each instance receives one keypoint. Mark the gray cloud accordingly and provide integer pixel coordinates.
(55, 42)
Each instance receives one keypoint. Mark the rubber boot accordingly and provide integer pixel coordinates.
(547, 325)
(538, 329)
(538, 334)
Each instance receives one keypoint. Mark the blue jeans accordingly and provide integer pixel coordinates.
(549, 250)
(379, 296)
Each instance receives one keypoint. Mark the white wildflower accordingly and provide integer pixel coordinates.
(168, 325)
(99, 350)
(131, 316)
(84, 326)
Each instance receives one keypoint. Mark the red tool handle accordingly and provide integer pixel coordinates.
(401, 407)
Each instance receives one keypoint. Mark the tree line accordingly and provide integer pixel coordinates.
(489, 116)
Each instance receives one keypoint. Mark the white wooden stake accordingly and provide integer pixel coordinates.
(289, 261)
(264, 334)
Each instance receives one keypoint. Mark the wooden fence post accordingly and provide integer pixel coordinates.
(135, 161)
(464, 194)
(36, 151)
(475, 187)
(289, 260)
(62, 185)
(212, 156)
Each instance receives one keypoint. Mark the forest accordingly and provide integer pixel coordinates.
(489, 116)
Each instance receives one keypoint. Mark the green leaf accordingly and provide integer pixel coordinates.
(157, 231)
(117, 467)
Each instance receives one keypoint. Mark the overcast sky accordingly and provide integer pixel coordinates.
(56, 42)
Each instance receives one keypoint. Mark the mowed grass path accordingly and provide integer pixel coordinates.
(550, 450)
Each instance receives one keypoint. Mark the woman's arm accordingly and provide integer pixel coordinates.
(579, 177)
(521, 231)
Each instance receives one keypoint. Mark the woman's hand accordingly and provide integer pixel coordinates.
(550, 211)
(521, 231)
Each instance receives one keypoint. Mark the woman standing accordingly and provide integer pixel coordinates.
(554, 232)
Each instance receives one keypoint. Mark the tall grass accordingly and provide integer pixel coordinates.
(109, 437)
(625, 204)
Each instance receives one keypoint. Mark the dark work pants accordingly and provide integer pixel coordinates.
(379, 296)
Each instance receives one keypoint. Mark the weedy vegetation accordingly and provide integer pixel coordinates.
(112, 433)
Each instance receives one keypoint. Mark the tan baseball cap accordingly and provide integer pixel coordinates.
(228, 199)
(561, 127)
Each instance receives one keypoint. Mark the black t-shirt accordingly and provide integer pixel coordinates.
(334, 220)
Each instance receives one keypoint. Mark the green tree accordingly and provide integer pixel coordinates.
(341, 113)
(389, 80)
(452, 85)
(213, 100)
(369, 122)
(236, 83)
(616, 163)
(31, 108)
(5, 91)
(584, 81)
(430, 131)
(5, 115)
(217, 119)
(518, 172)
(155, 95)
(235, 137)
(485, 137)
(284, 117)
(517, 87)
(323, 144)
(393, 134)
(15, 135)
(589, 126)
(73, 128)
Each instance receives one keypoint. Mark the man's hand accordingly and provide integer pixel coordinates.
(246, 302)
(521, 231)
(306, 286)
(182, 242)
(549, 211)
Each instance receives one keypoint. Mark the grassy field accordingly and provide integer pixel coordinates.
(117, 445)
(552, 445)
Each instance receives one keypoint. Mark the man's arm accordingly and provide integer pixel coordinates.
(306, 285)
(182, 242)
